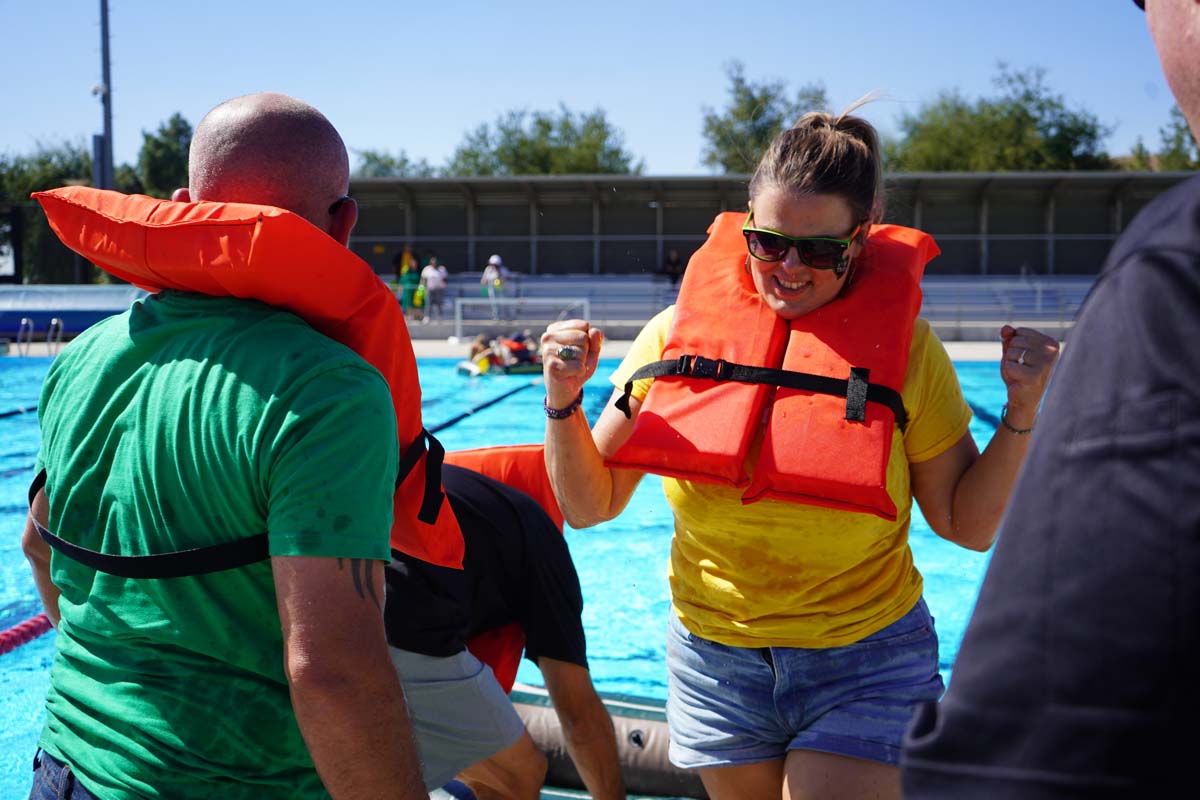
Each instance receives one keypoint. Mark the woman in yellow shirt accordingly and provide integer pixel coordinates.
(799, 642)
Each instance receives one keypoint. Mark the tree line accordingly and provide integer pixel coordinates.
(1023, 125)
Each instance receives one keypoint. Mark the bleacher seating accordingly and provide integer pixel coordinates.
(956, 305)
(959, 307)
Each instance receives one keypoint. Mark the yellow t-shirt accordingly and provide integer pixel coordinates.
(784, 574)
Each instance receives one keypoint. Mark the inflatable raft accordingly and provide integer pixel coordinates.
(641, 726)
(482, 365)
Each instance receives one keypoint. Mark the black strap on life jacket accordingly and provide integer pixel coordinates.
(857, 388)
(236, 553)
(176, 564)
(431, 503)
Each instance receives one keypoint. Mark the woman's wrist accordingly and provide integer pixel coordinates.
(1020, 423)
(554, 411)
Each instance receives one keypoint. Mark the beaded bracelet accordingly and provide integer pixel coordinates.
(1011, 429)
(562, 413)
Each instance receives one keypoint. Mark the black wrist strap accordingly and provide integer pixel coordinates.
(857, 388)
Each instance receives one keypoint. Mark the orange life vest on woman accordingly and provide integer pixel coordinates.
(268, 254)
(822, 391)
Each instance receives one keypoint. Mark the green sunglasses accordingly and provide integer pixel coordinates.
(817, 252)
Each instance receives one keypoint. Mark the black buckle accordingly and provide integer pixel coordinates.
(717, 369)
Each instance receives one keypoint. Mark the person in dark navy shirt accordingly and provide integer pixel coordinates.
(1077, 676)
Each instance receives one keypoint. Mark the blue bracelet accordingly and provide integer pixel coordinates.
(562, 413)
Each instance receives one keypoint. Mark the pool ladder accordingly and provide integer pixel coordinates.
(54, 335)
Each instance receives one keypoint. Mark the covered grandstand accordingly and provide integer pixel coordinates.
(1011, 223)
(1016, 247)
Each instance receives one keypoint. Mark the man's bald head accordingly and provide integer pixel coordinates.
(269, 149)
(1175, 26)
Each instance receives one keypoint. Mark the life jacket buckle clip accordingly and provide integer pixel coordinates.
(717, 369)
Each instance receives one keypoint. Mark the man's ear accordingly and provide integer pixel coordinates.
(181, 196)
(344, 220)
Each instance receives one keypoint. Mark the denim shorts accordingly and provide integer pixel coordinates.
(741, 705)
(54, 780)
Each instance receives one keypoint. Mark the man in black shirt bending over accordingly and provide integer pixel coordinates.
(516, 569)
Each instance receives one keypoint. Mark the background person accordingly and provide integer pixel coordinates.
(673, 266)
(1077, 673)
(517, 568)
(410, 281)
(434, 277)
(799, 643)
(495, 276)
(191, 420)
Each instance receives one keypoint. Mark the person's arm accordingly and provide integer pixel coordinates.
(963, 493)
(588, 492)
(587, 727)
(37, 552)
(344, 688)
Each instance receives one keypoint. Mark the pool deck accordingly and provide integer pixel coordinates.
(438, 348)
(959, 351)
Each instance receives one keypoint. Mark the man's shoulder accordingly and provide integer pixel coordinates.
(246, 336)
(1170, 222)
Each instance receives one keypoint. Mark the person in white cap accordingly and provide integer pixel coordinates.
(495, 275)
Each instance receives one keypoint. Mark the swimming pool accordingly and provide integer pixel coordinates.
(625, 610)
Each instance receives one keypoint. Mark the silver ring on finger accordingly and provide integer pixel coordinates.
(569, 352)
(1021, 358)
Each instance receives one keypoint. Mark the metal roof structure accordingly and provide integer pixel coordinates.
(1049, 223)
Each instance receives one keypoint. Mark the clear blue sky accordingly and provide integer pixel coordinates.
(417, 75)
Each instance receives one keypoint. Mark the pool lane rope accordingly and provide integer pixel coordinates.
(985, 415)
(16, 412)
(486, 404)
(25, 632)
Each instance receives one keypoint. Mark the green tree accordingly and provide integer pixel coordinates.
(162, 161)
(1179, 149)
(382, 164)
(1025, 127)
(43, 259)
(757, 112)
(1140, 158)
(49, 167)
(128, 181)
(544, 143)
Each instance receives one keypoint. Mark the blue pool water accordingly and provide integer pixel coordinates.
(625, 609)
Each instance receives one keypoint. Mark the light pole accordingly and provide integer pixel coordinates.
(102, 144)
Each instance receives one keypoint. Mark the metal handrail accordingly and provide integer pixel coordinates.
(54, 336)
(24, 336)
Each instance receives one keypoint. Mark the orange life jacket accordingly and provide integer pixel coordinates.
(828, 422)
(522, 467)
(272, 255)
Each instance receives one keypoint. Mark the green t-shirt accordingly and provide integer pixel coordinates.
(187, 421)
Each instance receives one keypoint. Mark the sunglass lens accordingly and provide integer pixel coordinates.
(767, 246)
(820, 254)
